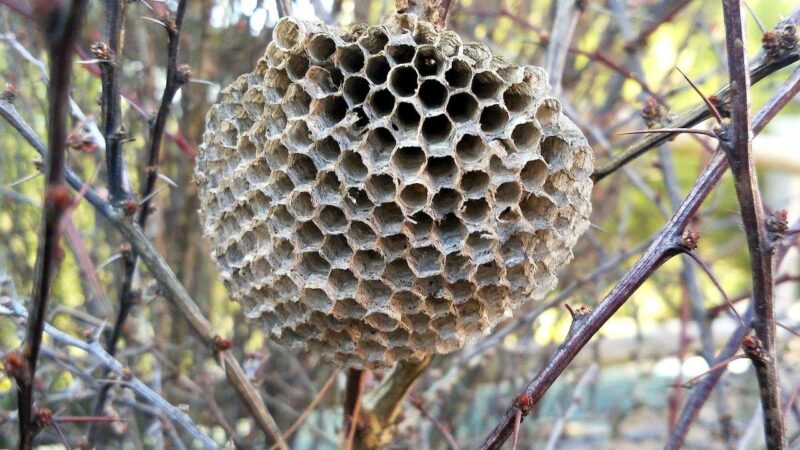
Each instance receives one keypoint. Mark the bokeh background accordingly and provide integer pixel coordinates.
(623, 391)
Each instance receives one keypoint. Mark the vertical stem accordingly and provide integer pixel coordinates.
(736, 141)
(61, 28)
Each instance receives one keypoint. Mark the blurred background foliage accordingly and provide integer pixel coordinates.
(640, 356)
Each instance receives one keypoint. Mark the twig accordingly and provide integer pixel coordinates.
(763, 66)
(309, 409)
(417, 402)
(172, 288)
(61, 27)
(736, 142)
(353, 391)
(96, 351)
(577, 399)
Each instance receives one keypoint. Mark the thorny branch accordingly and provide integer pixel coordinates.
(61, 25)
(736, 141)
(667, 244)
(172, 288)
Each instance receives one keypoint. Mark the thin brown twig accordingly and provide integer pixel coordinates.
(61, 27)
(309, 409)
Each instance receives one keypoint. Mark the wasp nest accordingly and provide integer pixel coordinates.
(387, 192)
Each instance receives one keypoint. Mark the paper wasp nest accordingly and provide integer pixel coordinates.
(385, 192)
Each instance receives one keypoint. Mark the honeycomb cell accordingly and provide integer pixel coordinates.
(380, 193)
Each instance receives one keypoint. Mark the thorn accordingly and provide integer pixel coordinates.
(150, 19)
(755, 17)
(708, 103)
(671, 130)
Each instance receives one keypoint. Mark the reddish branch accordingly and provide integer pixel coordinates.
(736, 142)
(61, 27)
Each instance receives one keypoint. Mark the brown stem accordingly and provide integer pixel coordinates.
(61, 27)
(381, 407)
(736, 142)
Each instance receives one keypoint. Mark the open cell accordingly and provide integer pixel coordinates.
(507, 193)
(406, 117)
(389, 218)
(308, 236)
(342, 284)
(462, 107)
(280, 184)
(297, 102)
(475, 183)
(525, 136)
(437, 129)
(394, 246)
(357, 203)
(381, 188)
(336, 250)
(368, 264)
(379, 145)
(414, 196)
(301, 205)
(401, 54)
(425, 261)
(428, 61)
(408, 161)
(361, 235)
(322, 47)
(296, 67)
(459, 74)
(314, 267)
(533, 174)
(302, 170)
(432, 94)
(419, 227)
(486, 85)
(554, 151)
(325, 152)
(355, 90)
(374, 40)
(450, 233)
(446, 201)
(332, 220)
(403, 81)
(470, 148)
(377, 69)
(298, 136)
(332, 109)
(475, 210)
(517, 97)
(352, 168)
(351, 58)
(538, 208)
(494, 119)
(405, 302)
(442, 171)
(381, 102)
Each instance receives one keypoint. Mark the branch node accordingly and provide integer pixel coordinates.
(690, 240)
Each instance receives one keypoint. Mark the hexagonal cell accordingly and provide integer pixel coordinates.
(533, 175)
(416, 322)
(445, 201)
(456, 267)
(355, 90)
(540, 211)
(460, 291)
(348, 308)
(441, 171)
(389, 218)
(361, 235)
(381, 102)
(408, 161)
(475, 210)
(486, 84)
(321, 47)
(301, 205)
(259, 172)
(342, 283)
(331, 109)
(322, 81)
(437, 306)
(394, 246)
(382, 322)
(314, 268)
(517, 97)
(494, 119)
(398, 274)
(379, 145)
(405, 302)
(288, 34)
(433, 94)
(480, 247)
(328, 189)
(297, 101)
(429, 60)
(403, 81)
(555, 152)
(336, 250)
(401, 54)
(488, 274)
(325, 152)
(474, 184)
(297, 135)
(459, 74)
(425, 261)
(470, 311)
(547, 112)
(449, 234)
(302, 170)
(276, 121)
(462, 107)
(280, 184)
(470, 148)
(357, 204)
(374, 40)
(308, 237)
(437, 129)
(513, 251)
(373, 293)
(507, 193)
(350, 58)
(381, 188)
(377, 69)
(296, 67)
(352, 168)
(431, 286)
(361, 120)
(368, 264)
(316, 300)
(406, 117)
(525, 136)
(413, 197)
(332, 220)
(282, 256)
